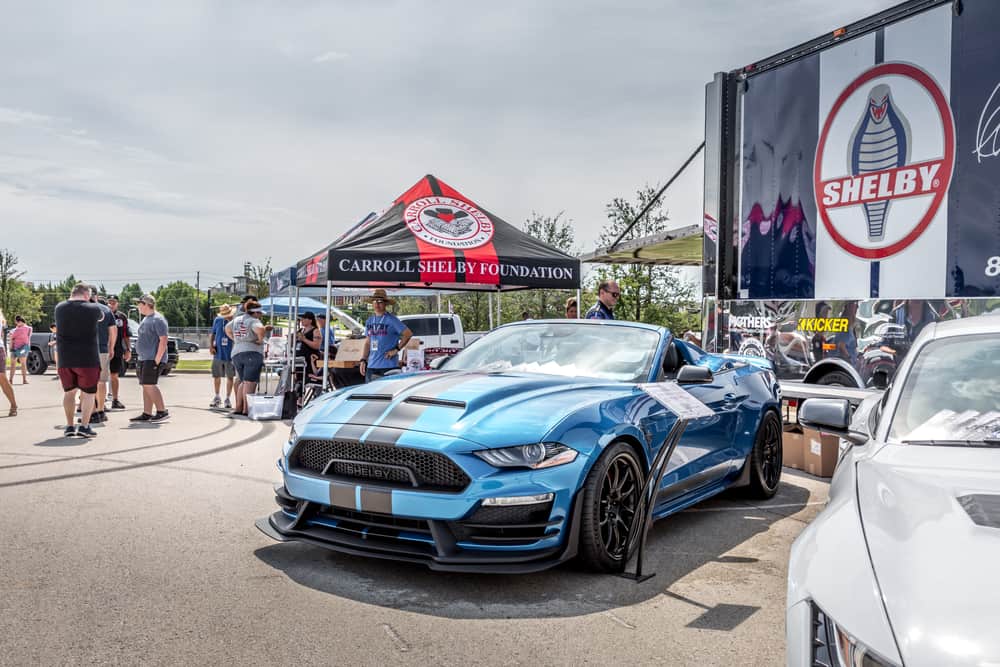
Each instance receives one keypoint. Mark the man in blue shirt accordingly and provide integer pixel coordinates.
(608, 294)
(221, 348)
(385, 335)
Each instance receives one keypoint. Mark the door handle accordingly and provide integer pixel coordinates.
(454, 340)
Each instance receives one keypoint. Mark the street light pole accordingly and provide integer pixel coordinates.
(197, 298)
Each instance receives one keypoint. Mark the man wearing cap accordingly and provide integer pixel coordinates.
(385, 335)
(221, 348)
(121, 352)
(151, 346)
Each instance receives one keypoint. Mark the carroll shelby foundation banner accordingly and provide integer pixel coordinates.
(873, 167)
(436, 237)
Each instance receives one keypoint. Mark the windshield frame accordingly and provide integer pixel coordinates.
(660, 334)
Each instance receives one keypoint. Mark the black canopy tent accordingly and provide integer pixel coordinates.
(433, 237)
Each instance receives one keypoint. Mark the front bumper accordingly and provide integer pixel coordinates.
(439, 544)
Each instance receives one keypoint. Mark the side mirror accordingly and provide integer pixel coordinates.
(689, 374)
(438, 362)
(831, 415)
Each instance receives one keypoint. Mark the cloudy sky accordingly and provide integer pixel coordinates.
(148, 141)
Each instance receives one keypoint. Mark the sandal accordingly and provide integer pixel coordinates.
(13, 412)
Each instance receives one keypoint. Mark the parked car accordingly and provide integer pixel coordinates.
(187, 345)
(900, 566)
(172, 356)
(442, 334)
(530, 449)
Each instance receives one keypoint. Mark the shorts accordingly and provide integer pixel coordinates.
(104, 367)
(84, 379)
(3, 360)
(117, 364)
(248, 365)
(223, 368)
(22, 351)
(148, 372)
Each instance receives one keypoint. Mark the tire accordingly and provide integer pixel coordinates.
(837, 379)
(765, 458)
(605, 521)
(36, 362)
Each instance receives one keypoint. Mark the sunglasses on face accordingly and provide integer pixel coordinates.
(379, 301)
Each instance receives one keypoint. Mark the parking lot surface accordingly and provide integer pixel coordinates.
(139, 547)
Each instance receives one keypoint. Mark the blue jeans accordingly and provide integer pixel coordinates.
(248, 365)
(372, 373)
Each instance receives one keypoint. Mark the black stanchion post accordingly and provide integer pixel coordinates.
(643, 518)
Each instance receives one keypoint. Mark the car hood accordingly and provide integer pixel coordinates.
(489, 409)
(931, 517)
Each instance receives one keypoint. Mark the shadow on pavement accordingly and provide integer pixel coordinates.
(62, 441)
(677, 545)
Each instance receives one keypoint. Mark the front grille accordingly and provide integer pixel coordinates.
(516, 524)
(386, 464)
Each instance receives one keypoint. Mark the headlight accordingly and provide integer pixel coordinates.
(540, 455)
(834, 646)
(292, 435)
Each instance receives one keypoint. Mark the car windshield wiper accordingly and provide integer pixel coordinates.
(988, 442)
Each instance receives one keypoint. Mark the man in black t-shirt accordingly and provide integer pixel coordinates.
(79, 360)
(121, 353)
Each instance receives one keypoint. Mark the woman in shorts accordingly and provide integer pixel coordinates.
(8, 390)
(20, 348)
(247, 332)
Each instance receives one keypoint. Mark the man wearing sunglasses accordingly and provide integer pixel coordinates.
(608, 293)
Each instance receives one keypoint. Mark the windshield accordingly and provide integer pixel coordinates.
(952, 393)
(622, 354)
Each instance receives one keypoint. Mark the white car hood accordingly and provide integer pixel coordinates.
(939, 571)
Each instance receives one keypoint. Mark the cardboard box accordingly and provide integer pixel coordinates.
(793, 447)
(349, 353)
(413, 356)
(820, 453)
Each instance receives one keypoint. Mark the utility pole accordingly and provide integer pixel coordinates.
(197, 297)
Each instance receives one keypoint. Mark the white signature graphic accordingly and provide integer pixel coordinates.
(988, 130)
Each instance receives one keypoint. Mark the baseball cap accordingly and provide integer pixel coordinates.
(112, 297)
(147, 299)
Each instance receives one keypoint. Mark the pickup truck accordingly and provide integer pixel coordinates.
(40, 356)
(440, 334)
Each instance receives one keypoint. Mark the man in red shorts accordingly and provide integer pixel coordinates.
(79, 360)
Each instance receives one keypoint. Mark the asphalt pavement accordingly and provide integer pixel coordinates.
(139, 547)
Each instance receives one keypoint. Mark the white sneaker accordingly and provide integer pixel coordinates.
(228, 405)
(216, 402)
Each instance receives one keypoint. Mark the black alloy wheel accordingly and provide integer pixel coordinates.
(36, 363)
(837, 379)
(611, 499)
(766, 457)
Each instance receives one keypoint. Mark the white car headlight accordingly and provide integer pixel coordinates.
(539, 455)
(832, 645)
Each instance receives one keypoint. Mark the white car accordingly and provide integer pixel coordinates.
(902, 567)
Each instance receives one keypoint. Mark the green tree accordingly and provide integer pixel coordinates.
(52, 294)
(16, 298)
(259, 279)
(654, 294)
(177, 302)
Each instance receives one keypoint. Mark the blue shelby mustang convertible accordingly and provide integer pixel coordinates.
(529, 449)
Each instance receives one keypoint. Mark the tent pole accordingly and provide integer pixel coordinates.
(489, 307)
(499, 316)
(439, 320)
(292, 334)
(578, 304)
(324, 338)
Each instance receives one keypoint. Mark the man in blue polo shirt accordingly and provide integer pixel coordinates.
(221, 348)
(386, 336)
(608, 293)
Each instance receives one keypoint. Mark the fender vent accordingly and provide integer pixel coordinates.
(984, 510)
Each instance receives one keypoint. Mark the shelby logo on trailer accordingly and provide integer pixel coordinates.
(887, 161)
(448, 223)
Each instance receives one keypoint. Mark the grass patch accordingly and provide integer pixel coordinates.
(194, 364)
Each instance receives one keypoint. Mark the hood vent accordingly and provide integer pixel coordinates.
(424, 400)
(984, 510)
(370, 397)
